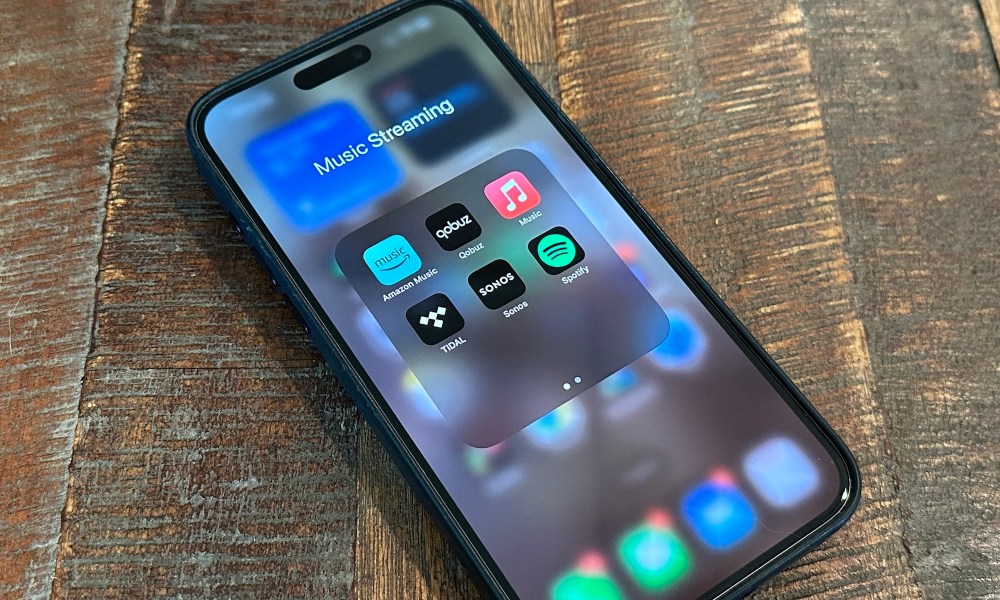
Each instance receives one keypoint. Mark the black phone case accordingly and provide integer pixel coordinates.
(370, 403)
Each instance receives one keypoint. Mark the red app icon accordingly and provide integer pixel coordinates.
(512, 195)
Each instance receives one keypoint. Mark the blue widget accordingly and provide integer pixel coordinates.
(318, 166)
(718, 512)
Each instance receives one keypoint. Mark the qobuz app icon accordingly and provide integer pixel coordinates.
(453, 227)
(392, 260)
(435, 319)
(496, 284)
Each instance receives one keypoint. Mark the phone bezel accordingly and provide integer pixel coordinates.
(373, 405)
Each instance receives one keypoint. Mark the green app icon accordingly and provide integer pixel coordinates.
(588, 581)
(653, 554)
(556, 250)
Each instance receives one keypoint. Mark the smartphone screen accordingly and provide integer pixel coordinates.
(598, 427)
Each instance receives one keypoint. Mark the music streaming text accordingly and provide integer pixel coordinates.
(377, 139)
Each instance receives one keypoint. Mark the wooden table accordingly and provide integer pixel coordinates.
(167, 430)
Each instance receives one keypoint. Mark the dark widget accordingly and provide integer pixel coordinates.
(445, 76)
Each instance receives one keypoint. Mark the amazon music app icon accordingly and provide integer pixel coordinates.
(392, 260)
(512, 195)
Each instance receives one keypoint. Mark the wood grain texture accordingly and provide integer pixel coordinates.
(215, 456)
(711, 116)
(913, 120)
(60, 84)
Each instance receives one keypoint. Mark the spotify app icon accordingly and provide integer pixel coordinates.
(556, 250)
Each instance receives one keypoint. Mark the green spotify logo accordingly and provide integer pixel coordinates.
(556, 250)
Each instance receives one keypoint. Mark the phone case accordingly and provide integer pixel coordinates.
(388, 430)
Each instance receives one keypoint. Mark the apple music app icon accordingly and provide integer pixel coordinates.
(512, 195)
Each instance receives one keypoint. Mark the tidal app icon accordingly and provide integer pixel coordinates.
(435, 319)
(392, 260)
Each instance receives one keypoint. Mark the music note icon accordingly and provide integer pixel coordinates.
(512, 195)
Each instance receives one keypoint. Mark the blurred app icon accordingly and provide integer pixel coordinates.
(496, 465)
(718, 512)
(684, 345)
(627, 252)
(312, 186)
(446, 81)
(335, 271)
(619, 383)
(653, 554)
(781, 472)
(560, 428)
(512, 195)
(374, 334)
(418, 396)
(392, 260)
(483, 461)
(589, 580)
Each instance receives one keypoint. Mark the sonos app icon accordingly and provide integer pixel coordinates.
(392, 260)
(496, 284)
(453, 227)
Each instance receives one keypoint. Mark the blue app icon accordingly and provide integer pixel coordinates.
(392, 260)
(618, 383)
(718, 512)
(319, 166)
(560, 428)
(684, 345)
(781, 472)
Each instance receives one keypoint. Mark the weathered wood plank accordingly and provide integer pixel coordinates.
(60, 84)
(215, 455)
(709, 113)
(911, 92)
